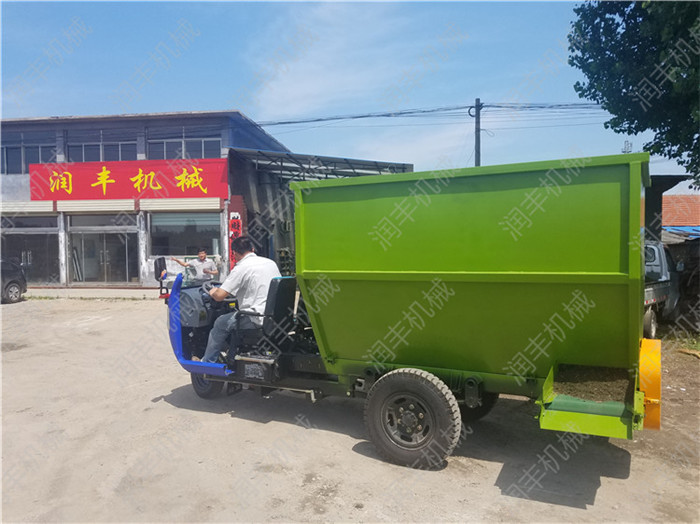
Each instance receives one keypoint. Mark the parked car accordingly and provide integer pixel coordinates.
(14, 282)
(661, 286)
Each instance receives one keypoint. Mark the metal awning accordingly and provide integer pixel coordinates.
(294, 166)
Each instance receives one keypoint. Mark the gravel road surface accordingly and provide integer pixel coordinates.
(100, 423)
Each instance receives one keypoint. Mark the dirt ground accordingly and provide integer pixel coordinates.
(99, 423)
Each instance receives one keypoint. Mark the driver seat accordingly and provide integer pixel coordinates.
(278, 320)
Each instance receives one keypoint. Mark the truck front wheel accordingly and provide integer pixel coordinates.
(206, 388)
(650, 323)
(413, 418)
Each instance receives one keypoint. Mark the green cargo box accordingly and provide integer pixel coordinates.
(497, 274)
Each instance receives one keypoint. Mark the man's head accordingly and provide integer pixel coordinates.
(202, 253)
(240, 247)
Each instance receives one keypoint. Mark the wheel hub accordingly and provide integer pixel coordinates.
(407, 422)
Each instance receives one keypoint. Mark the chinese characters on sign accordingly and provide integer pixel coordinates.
(198, 178)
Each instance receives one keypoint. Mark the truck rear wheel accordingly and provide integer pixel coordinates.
(206, 388)
(650, 323)
(413, 418)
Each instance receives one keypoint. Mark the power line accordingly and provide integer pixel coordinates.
(445, 111)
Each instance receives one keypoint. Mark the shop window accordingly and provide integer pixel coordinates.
(212, 148)
(193, 149)
(173, 150)
(37, 155)
(110, 152)
(121, 219)
(48, 154)
(101, 152)
(11, 222)
(31, 156)
(91, 152)
(13, 160)
(156, 150)
(190, 148)
(184, 233)
(75, 153)
(128, 151)
(38, 254)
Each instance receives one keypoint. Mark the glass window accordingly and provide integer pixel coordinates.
(193, 149)
(156, 150)
(31, 156)
(75, 153)
(212, 149)
(13, 160)
(2, 160)
(9, 222)
(91, 152)
(649, 255)
(48, 154)
(38, 254)
(128, 151)
(183, 233)
(110, 152)
(121, 219)
(173, 150)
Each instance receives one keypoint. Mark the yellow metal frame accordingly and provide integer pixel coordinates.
(650, 381)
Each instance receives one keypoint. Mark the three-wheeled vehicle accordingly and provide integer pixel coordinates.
(429, 294)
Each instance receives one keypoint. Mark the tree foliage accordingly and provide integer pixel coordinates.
(641, 60)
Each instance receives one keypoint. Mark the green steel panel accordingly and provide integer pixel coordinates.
(600, 425)
(379, 243)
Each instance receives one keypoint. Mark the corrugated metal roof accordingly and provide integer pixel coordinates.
(313, 167)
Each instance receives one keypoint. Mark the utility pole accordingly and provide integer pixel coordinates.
(477, 132)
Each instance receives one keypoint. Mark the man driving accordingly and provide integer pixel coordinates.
(249, 281)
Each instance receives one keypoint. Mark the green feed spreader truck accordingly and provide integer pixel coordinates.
(429, 294)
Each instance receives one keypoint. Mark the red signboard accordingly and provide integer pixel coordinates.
(182, 178)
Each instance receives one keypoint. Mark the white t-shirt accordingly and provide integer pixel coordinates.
(199, 266)
(249, 282)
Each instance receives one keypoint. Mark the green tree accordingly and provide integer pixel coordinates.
(641, 60)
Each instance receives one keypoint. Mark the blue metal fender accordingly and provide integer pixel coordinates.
(175, 331)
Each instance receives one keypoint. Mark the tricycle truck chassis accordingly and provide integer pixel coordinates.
(433, 293)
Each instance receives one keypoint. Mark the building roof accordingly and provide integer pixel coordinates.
(294, 166)
(683, 188)
(127, 116)
(241, 121)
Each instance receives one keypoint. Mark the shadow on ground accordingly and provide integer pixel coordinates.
(545, 466)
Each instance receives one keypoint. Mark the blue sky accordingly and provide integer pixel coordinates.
(282, 61)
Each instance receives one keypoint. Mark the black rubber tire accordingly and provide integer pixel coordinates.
(488, 401)
(13, 293)
(650, 323)
(206, 388)
(429, 425)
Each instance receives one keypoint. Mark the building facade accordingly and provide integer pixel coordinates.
(94, 200)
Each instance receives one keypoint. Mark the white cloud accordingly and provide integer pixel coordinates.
(351, 58)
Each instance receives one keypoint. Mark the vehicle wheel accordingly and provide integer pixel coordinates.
(650, 324)
(488, 401)
(412, 418)
(206, 388)
(13, 293)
